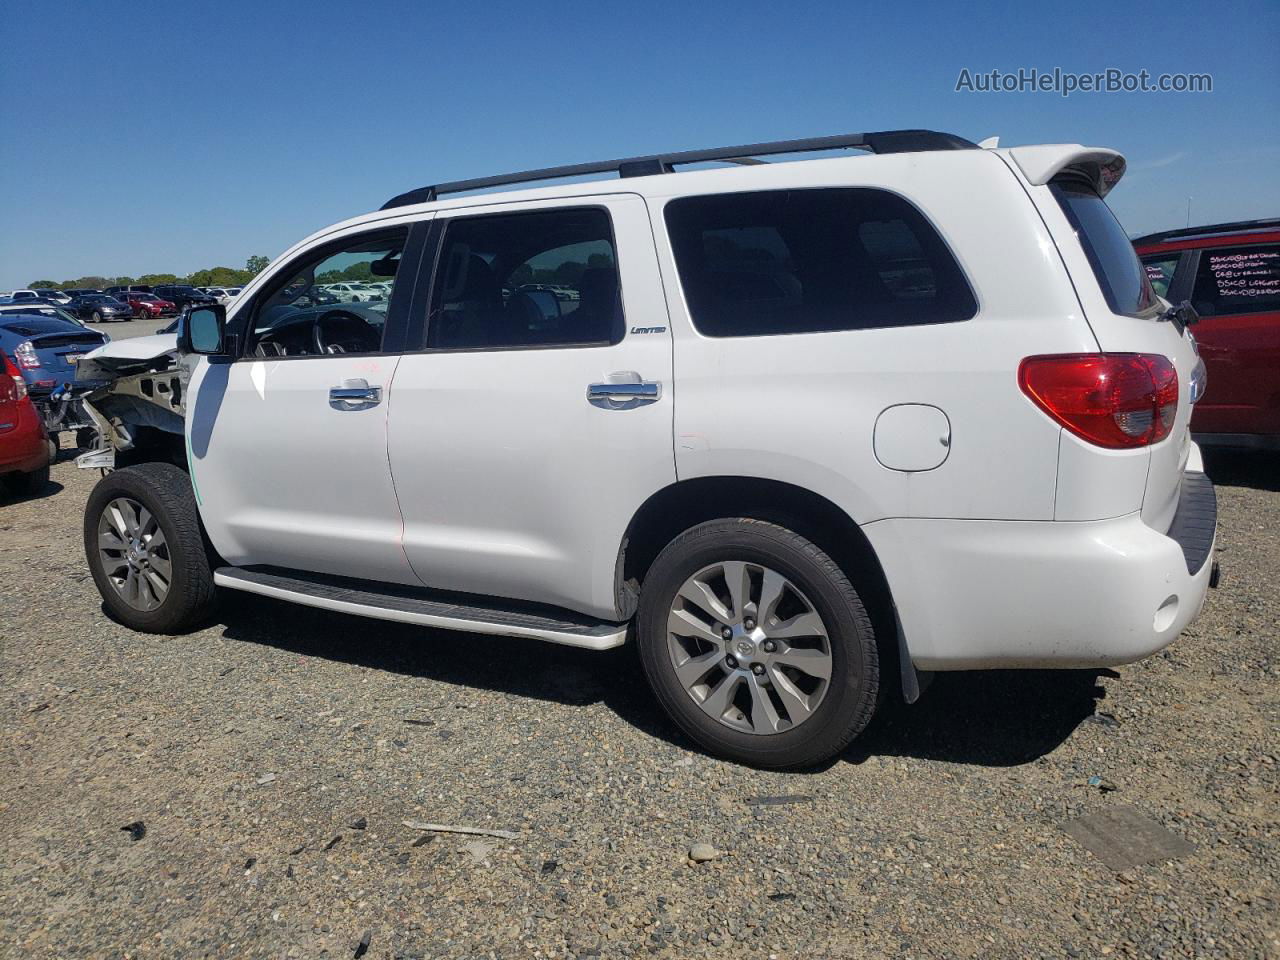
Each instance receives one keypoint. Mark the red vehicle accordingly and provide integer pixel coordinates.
(148, 305)
(1231, 274)
(25, 451)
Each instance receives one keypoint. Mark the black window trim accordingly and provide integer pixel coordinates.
(421, 324)
(393, 330)
(942, 237)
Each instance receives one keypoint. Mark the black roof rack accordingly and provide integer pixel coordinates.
(1209, 230)
(887, 141)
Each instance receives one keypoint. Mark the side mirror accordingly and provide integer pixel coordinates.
(205, 331)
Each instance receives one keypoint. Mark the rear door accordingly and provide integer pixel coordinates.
(1236, 290)
(532, 424)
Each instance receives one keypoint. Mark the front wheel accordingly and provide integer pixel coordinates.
(757, 644)
(95, 317)
(144, 547)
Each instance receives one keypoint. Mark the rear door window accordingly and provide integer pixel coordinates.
(1160, 270)
(1236, 280)
(1110, 252)
(811, 261)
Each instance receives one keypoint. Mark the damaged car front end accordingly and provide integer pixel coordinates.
(136, 404)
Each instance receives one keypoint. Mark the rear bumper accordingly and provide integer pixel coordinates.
(976, 594)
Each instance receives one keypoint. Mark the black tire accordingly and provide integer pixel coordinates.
(851, 696)
(165, 490)
(25, 484)
(95, 317)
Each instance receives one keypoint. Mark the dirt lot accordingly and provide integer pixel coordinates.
(273, 757)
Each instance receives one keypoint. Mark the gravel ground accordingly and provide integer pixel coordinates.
(273, 757)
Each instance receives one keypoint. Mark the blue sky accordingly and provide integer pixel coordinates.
(143, 137)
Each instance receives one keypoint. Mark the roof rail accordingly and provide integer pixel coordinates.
(1209, 230)
(887, 141)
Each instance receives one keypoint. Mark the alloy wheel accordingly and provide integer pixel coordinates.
(749, 647)
(134, 553)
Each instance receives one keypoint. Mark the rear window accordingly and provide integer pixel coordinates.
(811, 261)
(1160, 272)
(1236, 280)
(1110, 252)
(38, 327)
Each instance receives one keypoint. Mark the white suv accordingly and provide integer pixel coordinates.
(810, 430)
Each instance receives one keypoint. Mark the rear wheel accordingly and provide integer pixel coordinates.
(757, 644)
(95, 317)
(145, 550)
(24, 484)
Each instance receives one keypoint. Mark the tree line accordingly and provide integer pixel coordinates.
(210, 277)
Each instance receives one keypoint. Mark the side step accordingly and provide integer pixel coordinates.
(407, 605)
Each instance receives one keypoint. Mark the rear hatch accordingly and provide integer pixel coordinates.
(1126, 316)
(60, 352)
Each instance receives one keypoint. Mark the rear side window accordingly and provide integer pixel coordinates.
(521, 280)
(811, 261)
(1110, 252)
(1235, 280)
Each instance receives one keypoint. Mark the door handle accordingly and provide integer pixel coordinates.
(625, 394)
(354, 395)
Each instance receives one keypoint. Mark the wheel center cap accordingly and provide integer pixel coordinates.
(744, 648)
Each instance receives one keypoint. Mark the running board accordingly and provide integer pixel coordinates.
(406, 605)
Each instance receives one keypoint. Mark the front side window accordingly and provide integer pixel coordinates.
(812, 261)
(1160, 271)
(1236, 280)
(296, 316)
(1108, 248)
(526, 280)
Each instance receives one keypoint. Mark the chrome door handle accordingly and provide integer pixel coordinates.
(623, 396)
(354, 395)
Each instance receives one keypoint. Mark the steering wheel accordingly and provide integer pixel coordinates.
(342, 331)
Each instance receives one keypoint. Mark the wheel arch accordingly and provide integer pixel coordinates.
(681, 505)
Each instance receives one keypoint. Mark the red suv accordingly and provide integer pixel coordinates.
(24, 449)
(1231, 274)
(148, 305)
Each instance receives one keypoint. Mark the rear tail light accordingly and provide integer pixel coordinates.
(1113, 400)
(25, 354)
(19, 388)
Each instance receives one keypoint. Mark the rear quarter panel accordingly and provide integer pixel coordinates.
(802, 408)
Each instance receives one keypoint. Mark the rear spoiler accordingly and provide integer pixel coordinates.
(1040, 164)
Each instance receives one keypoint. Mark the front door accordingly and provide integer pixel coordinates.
(537, 417)
(288, 444)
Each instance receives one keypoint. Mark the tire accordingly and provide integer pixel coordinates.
(25, 484)
(96, 317)
(164, 491)
(814, 584)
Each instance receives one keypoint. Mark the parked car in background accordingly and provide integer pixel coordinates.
(42, 310)
(80, 292)
(127, 288)
(1230, 272)
(59, 297)
(25, 450)
(221, 294)
(18, 296)
(97, 307)
(350, 292)
(182, 295)
(148, 305)
(45, 349)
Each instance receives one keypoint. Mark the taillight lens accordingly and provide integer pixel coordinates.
(19, 388)
(25, 354)
(1114, 400)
